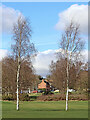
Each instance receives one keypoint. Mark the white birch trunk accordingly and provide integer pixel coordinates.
(18, 71)
(67, 100)
(67, 87)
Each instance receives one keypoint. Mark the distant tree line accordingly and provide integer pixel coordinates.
(78, 75)
(9, 71)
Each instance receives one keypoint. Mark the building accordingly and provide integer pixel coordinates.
(44, 85)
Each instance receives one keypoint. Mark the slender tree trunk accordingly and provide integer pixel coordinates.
(18, 72)
(67, 87)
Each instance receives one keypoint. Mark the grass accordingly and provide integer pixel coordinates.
(49, 109)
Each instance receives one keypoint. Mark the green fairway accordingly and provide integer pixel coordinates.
(49, 109)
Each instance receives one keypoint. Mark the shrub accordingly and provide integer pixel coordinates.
(8, 97)
(62, 97)
(47, 93)
(44, 90)
(24, 97)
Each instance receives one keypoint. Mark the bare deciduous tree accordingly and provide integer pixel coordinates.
(8, 76)
(23, 48)
(66, 70)
(71, 45)
(9, 70)
(59, 75)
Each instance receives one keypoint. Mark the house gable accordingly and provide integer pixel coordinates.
(42, 85)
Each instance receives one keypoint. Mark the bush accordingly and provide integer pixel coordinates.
(47, 93)
(44, 90)
(8, 97)
(24, 97)
(62, 97)
(32, 98)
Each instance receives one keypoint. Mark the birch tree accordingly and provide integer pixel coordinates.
(23, 48)
(71, 45)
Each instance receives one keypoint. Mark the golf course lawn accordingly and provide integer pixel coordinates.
(49, 109)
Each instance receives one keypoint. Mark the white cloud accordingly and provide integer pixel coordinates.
(43, 60)
(77, 13)
(9, 17)
(85, 55)
(3, 53)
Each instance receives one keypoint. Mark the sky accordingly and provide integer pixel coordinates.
(44, 1)
(47, 20)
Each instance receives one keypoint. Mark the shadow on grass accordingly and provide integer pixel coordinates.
(48, 110)
(59, 110)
